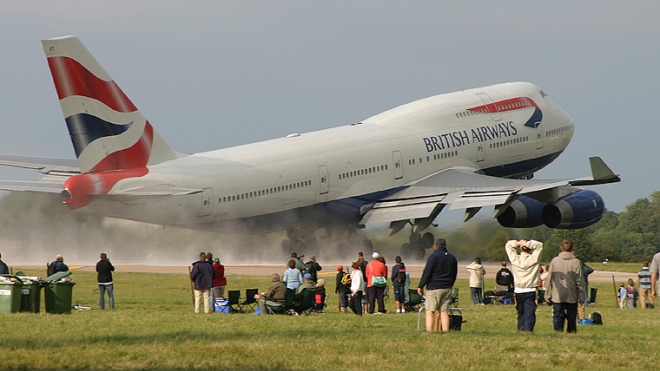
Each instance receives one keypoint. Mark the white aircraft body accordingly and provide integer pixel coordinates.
(466, 150)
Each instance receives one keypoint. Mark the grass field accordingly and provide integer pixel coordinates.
(154, 328)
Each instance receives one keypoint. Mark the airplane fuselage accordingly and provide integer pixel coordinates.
(506, 130)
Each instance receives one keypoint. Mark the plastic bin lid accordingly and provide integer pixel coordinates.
(56, 277)
(15, 278)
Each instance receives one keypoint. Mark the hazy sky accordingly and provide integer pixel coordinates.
(212, 74)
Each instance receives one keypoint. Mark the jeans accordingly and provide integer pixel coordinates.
(355, 303)
(476, 294)
(564, 312)
(111, 296)
(526, 307)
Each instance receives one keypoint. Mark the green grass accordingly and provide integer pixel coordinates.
(154, 328)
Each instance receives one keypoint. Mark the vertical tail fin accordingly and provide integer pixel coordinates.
(108, 132)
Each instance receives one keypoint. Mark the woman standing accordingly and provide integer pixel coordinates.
(292, 276)
(357, 287)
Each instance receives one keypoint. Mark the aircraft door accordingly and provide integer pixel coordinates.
(207, 202)
(398, 164)
(324, 181)
(481, 151)
(539, 136)
(494, 114)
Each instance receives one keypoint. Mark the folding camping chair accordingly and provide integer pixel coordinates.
(250, 302)
(234, 301)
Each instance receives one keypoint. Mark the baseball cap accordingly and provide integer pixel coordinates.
(307, 276)
(375, 255)
(340, 267)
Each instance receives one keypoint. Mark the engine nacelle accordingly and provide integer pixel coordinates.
(577, 210)
(524, 212)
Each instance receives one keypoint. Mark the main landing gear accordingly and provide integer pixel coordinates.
(415, 248)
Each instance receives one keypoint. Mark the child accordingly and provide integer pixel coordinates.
(623, 296)
(632, 294)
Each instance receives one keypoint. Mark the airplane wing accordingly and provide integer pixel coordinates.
(465, 188)
(55, 170)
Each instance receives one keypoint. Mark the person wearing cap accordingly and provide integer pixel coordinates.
(342, 290)
(526, 277)
(477, 273)
(104, 271)
(220, 281)
(399, 284)
(307, 284)
(376, 292)
(202, 275)
(439, 276)
(274, 295)
(312, 267)
(292, 276)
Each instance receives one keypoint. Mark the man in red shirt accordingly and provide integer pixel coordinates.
(376, 283)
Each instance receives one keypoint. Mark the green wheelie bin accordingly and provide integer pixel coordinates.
(10, 294)
(58, 293)
(30, 296)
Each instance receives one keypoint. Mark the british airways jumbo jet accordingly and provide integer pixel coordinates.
(466, 150)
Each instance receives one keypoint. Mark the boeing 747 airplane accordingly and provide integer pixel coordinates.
(463, 150)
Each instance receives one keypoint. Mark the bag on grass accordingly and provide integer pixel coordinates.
(596, 318)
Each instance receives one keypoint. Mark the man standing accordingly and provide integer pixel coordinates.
(399, 284)
(504, 279)
(312, 267)
(57, 266)
(104, 269)
(376, 282)
(3, 267)
(202, 274)
(526, 278)
(477, 273)
(565, 287)
(342, 287)
(644, 282)
(220, 281)
(439, 277)
(655, 266)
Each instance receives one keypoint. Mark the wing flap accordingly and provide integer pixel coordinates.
(45, 165)
(31, 186)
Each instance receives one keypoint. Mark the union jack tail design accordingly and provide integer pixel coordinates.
(108, 132)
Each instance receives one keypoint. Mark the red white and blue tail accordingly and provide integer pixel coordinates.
(108, 132)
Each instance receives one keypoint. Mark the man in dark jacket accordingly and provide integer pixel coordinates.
(202, 275)
(104, 269)
(3, 267)
(504, 279)
(439, 277)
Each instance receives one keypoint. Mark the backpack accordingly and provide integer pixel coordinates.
(401, 277)
(346, 279)
(52, 269)
(597, 319)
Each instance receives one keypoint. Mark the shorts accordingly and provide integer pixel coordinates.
(399, 293)
(438, 299)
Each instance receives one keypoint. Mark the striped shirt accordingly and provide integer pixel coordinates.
(644, 276)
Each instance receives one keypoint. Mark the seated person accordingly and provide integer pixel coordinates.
(320, 293)
(307, 284)
(274, 295)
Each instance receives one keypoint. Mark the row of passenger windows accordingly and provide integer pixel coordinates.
(437, 156)
(512, 105)
(470, 113)
(509, 142)
(369, 170)
(558, 130)
(265, 192)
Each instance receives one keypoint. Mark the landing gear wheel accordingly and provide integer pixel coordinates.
(286, 247)
(427, 240)
(418, 252)
(367, 247)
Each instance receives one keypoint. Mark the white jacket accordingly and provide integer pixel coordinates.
(525, 266)
(357, 281)
(477, 273)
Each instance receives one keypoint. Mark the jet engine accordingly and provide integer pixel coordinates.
(577, 210)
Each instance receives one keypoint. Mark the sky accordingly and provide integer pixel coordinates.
(215, 74)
